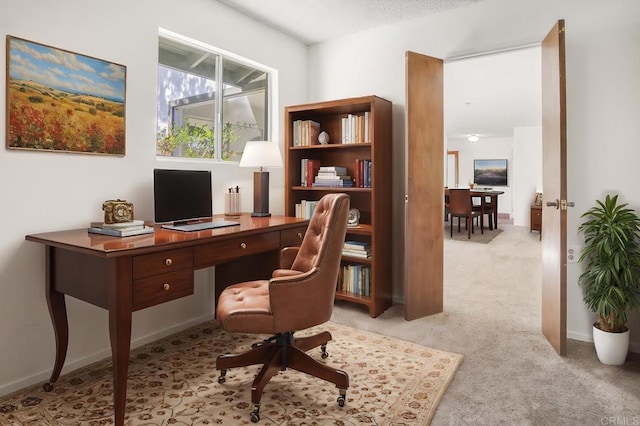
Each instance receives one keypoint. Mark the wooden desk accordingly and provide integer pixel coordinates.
(123, 275)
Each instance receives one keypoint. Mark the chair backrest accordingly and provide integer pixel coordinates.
(307, 299)
(325, 233)
(460, 201)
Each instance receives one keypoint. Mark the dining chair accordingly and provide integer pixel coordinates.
(298, 296)
(486, 207)
(461, 206)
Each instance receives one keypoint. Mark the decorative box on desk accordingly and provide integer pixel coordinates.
(360, 156)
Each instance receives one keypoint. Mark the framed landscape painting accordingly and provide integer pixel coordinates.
(63, 101)
(490, 172)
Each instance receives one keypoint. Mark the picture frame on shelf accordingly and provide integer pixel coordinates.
(538, 199)
(62, 101)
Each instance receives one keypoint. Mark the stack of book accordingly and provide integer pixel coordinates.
(333, 176)
(357, 249)
(355, 128)
(305, 132)
(356, 279)
(305, 208)
(123, 229)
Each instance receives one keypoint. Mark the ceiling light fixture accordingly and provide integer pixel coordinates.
(473, 138)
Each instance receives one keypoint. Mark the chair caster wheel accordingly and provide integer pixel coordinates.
(47, 387)
(324, 354)
(341, 400)
(255, 414)
(221, 378)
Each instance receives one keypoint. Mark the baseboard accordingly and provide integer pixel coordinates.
(69, 366)
(633, 347)
(583, 337)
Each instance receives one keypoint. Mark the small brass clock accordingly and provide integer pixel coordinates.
(353, 218)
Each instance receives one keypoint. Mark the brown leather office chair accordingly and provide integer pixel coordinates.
(298, 296)
(460, 206)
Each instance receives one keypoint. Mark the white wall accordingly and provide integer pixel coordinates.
(603, 94)
(527, 171)
(42, 191)
(486, 149)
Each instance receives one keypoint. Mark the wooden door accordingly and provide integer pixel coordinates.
(554, 183)
(424, 230)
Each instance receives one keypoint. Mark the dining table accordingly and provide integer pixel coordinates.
(483, 194)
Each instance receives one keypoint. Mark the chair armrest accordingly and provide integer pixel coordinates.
(279, 273)
(287, 256)
(294, 301)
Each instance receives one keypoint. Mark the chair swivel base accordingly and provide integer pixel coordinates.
(280, 352)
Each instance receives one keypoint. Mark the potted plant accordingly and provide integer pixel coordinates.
(611, 281)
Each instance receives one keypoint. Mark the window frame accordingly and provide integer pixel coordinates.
(271, 102)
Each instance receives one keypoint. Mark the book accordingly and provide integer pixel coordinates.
(338, 169)
(313, 165)
(362, 255)
(305, 132)
(120, 232)
(331, 176)
(333, 184)
(356, 245)
(122, 225)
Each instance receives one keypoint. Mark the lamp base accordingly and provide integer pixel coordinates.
(261, 194)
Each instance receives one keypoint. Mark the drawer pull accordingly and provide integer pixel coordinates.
(300, 235)
(243, 245)
(166, 286)
(168, 262)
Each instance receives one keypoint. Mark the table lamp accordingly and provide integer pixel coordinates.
(261, 154)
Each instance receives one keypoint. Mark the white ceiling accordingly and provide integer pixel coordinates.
(313, 21)
(487, 95)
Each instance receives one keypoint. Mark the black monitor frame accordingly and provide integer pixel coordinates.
(180, 196)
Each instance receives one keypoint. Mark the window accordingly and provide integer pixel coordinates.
(210, 103)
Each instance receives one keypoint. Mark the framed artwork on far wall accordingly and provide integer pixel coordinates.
(61, 101)
(490, 172)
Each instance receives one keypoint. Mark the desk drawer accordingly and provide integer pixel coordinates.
(224, 251)
(161, 288)
(162, 262)
(292, 237)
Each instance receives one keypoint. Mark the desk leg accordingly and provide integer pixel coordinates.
(120, 333)
(495, 211)
(58, 313)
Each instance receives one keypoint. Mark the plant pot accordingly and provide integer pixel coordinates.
(611, 348)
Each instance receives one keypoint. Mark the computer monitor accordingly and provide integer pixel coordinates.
(181, 195)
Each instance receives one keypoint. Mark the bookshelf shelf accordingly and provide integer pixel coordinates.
(333, 146)
(351, 297)
(329, 189)
(368, 123)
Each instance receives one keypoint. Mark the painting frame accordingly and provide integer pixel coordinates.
(63, 101)
(490, 172)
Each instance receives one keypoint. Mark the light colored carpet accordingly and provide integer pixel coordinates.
(174, 381)
(510, 374)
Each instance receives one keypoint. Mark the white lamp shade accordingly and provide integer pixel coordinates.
(261, 154)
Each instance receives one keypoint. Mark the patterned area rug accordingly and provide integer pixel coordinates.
(476, 236)
(174, 381)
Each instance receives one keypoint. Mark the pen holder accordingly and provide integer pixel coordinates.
(232, 204)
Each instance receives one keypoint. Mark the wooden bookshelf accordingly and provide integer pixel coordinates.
(374, 202)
